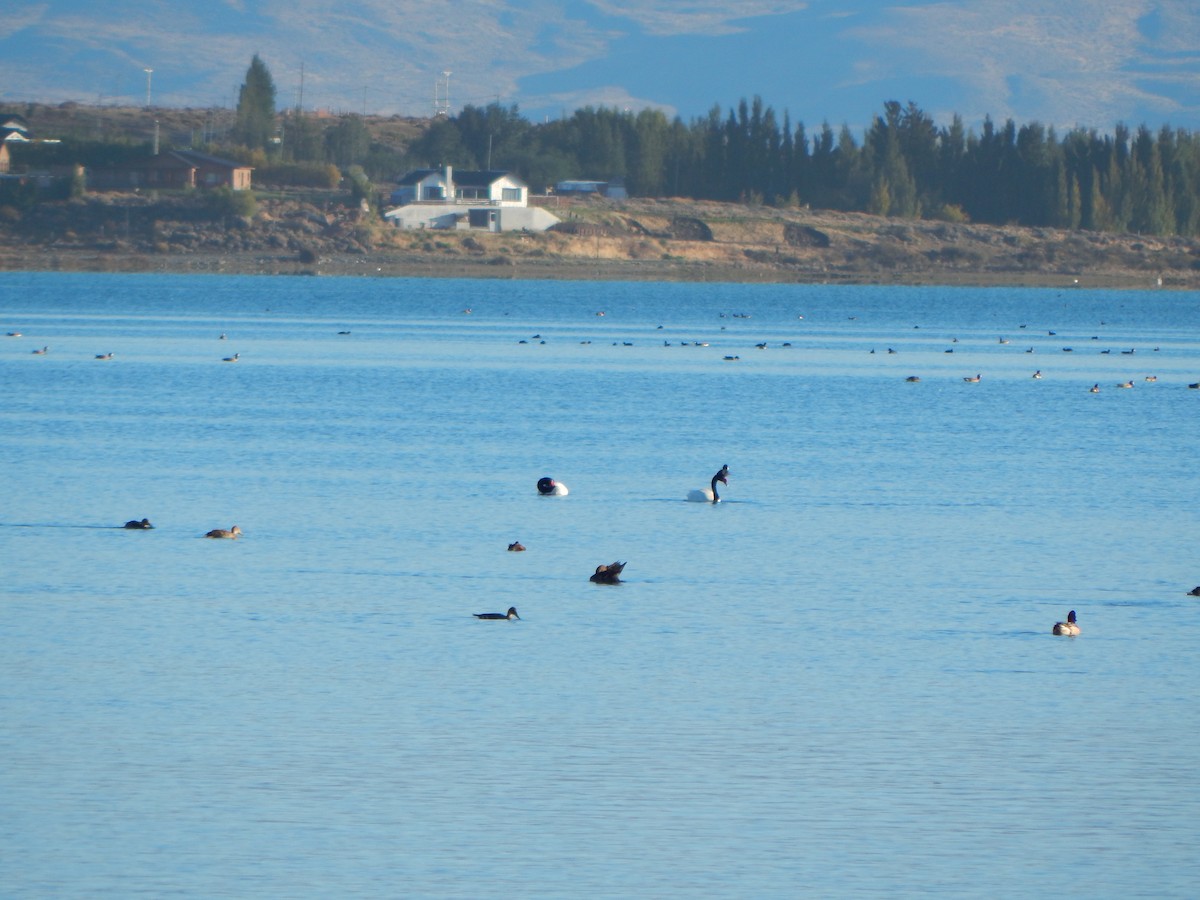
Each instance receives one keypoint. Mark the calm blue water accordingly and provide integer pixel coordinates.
(839, 682)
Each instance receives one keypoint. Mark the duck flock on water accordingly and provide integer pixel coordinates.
(609, 573)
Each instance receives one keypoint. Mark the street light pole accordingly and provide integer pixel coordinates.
(148, 72)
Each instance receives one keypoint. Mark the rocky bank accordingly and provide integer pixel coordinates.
(317, 233)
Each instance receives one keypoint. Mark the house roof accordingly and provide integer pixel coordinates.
(180, 159)
(13, 121)
(203, 159)
(462, 178)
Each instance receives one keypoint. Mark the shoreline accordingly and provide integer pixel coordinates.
(395, 265)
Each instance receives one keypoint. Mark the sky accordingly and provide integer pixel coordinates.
(1066, 63)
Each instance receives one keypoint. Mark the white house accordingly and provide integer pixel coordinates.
(442, 185)
(443, 198)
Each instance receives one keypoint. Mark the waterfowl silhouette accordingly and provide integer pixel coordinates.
(1195, 386)
(609, 574)
(974, 380)
(913, 379)
(143, 525)
(1125, 384)
(1094, 389)
(104, 356)
(1037, 374)
(233, 358)
(1068, 627)
(511, 614)
(709, 494)
(548, 487)
(231, 533)
(41, 352)
(516, 546)
(1194, 592)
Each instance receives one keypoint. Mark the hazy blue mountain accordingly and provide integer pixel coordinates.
(1087, 62)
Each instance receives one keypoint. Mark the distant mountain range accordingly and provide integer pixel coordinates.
(1073, 62)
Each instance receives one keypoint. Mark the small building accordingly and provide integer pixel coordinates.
(173, 170)
(13, 128)
(485, 200)
(611, 190)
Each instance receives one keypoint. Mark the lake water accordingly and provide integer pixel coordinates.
(839, 681)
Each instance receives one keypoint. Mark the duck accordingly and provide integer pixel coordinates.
(41, 352)
(1125, 384)
(709, 494)
(1195, 386)
(233, 358)
(1068, 627)
(913, 379)
(511, 614)
(104, 356)
(1094, 389)
(609, 574)
(232, 533)
(548, 487)
(974, 380)
(1194, 592)
(516, 547)
(1152, 378)
(143, 525)
(1038, 374)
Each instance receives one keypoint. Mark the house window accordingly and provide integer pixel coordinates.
(434, 193)
(513, 194)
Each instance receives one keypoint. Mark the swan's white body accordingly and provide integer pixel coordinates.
(709, 494)
(548, 487)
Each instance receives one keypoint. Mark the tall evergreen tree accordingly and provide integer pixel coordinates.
(256, 107)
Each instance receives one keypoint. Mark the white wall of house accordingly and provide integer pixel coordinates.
(456, 217)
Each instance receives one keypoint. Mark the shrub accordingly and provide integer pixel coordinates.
(225, 202)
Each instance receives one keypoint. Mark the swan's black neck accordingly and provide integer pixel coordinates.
(715, 479)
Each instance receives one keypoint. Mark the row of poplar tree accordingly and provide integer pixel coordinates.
(904, 165)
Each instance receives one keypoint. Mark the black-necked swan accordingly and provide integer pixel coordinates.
(709, 494)
(548, 487)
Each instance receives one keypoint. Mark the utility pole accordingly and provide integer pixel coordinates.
(149, 72)
(441, 96)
